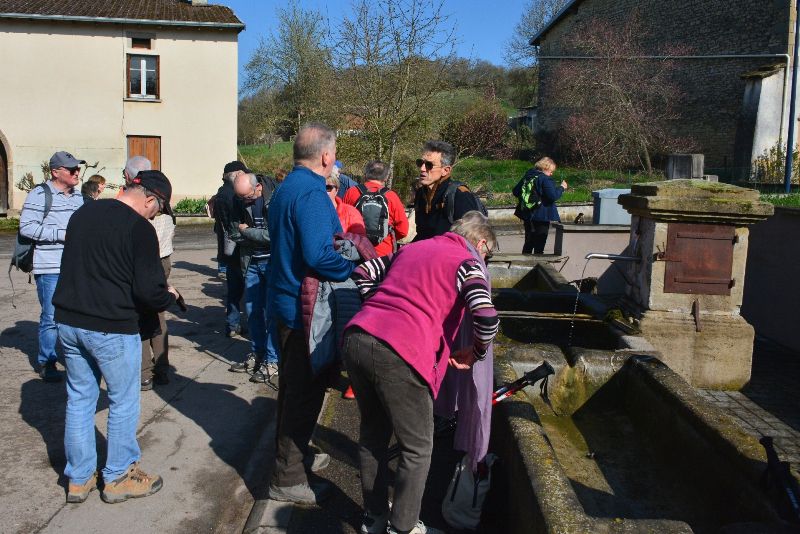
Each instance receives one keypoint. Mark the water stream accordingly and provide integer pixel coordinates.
(577, 299)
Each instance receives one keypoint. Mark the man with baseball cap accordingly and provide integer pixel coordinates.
(226, 226)
(113, 249)
(45, 214)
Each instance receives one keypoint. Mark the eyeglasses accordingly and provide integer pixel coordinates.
(160, 203)
(489, 254)
(330, 187)
(429, 165)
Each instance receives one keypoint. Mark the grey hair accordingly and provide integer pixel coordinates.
(473, 227)
(376, 170)
(445, 149)
(312, 140)
(137, 164)
(252, 179)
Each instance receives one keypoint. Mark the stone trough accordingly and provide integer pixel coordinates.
(622, 443)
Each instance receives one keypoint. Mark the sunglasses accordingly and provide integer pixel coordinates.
(429, 165)
(72, 170)
(330, 187)
(160, 203)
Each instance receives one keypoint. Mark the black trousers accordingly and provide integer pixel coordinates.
(300, 397)
(535, 236)
(391, 397)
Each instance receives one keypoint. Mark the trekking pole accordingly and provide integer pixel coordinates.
(443, 427)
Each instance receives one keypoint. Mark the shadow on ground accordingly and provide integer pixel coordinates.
(775, 381)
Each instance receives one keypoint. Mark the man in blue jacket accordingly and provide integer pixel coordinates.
(301, 223)
(537, 220)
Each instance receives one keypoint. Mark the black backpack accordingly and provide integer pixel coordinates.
(374, 208)
(22, 258)
(450, 200)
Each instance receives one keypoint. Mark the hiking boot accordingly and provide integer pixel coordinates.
(80, 492)
(301, 493)
(316, 462)
(244, 367)
(419, 528)
(147, 384)
(49, 373)
(374, 524)
(272, 369)
(260, 373)
(134, 483)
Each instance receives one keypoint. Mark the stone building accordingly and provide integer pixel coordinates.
(106, 80)
(734, 75)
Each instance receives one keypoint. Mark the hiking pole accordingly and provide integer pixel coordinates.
(443, 427)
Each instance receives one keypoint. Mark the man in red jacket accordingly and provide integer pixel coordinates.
(375, 175)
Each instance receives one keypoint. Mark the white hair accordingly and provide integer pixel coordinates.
(137, 164)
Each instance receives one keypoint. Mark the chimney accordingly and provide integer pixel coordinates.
(198, 2)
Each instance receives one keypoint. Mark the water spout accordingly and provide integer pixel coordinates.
(613, 257)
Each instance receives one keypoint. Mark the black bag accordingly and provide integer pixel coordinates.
(22, 258)
(374, 208)
(450, 199)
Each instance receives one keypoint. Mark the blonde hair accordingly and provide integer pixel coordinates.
(334, 181)
(96, 178)
(473, 227)
(545, 164)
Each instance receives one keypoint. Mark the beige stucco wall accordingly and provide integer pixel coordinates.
(64, 86)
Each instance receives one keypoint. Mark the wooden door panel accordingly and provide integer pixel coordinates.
(147, 146)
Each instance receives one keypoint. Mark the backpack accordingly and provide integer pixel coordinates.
(374, 208)
(210, 207)
(22, 258)
(528, 198)
(450, 200)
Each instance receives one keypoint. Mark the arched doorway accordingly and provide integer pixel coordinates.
(3, 180)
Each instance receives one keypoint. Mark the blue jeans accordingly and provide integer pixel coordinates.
(259, 322)
(48, 331)
(117, 358)
(234, 282)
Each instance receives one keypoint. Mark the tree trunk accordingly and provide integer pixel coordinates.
(392, 150)
(648, 165)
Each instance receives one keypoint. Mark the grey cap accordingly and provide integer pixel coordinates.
(65, 159)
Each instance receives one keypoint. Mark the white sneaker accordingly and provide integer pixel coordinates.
(419, 528)
(374, 524)
(272, 369)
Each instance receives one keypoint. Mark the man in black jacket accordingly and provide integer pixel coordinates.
(112, 249)
(226, 223)
(254, 194)
(439, 202)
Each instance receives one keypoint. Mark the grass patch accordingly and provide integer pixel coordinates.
(791, 200)
(9, 224)
(265, 159)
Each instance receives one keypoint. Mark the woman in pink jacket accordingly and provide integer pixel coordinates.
(397, 349)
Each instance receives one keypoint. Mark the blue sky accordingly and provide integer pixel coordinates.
(482, 27)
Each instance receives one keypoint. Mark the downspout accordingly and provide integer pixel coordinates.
(787, 178)
(785, 57)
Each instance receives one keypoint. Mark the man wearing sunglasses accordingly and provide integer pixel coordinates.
(439, 201)
(44, 219)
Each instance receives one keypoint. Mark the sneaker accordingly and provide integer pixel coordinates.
(80, 492)
(147, 384)
(49, 373)
(419, 528)
(317, 462)
(245, 366)
(301, 493)
(374, 524)
(260, 373)
(233, 332)
(134, 483)
(272, 369)
(222, 275)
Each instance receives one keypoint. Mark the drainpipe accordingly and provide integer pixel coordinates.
(785, 57)
(787, 178)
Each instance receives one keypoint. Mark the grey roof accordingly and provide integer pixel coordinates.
(165, 12)
(538, 37)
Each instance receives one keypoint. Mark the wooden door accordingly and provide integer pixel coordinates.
(147, 146)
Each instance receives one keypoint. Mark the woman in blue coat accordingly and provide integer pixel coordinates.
(537, 219)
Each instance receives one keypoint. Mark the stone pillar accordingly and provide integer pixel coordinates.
(687, 290)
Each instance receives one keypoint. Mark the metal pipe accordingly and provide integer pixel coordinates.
(612, 257)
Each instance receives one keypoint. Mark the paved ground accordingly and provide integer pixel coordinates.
(209, 433)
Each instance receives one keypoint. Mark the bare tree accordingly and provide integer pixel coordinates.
(480, 131)
(536, 15)
(621, 105)
(295, 62)
(393, 58)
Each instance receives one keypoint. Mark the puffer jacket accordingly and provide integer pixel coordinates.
(328, 306)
